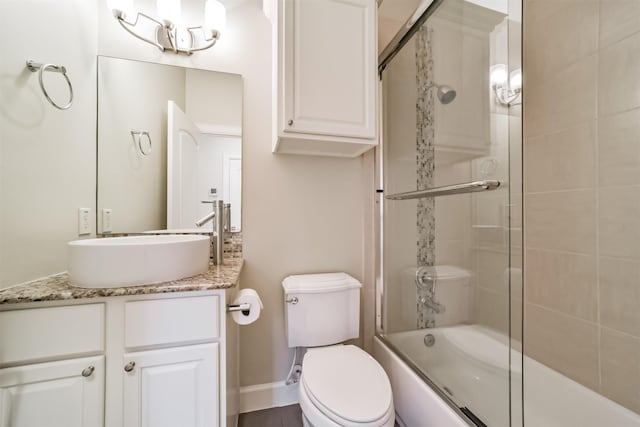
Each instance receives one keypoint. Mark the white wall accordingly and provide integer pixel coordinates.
(300, 214)
(133, 95)
(211, 157)
(223, 108)
(47, 156)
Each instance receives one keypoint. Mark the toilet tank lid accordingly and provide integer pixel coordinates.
(316, 283)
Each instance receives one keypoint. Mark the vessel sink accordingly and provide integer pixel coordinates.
(114, 262)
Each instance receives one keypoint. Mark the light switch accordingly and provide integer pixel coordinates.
(84, 224)
(106, 220)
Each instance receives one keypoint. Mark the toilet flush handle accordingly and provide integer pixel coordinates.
(293, 300)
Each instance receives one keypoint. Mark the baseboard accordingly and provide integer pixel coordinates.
(264, 396)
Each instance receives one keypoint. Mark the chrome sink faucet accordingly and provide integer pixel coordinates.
(217, 237)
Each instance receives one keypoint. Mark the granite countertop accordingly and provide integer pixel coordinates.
(58, 288)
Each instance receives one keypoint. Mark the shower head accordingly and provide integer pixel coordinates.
(445, 94)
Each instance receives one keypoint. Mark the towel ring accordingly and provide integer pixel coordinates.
(41, 68)
(138, 140)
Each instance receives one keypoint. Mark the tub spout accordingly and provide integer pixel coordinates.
(431, 304)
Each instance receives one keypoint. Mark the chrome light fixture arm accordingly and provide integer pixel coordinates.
(505, 95)
(210, 41)
(129, 26)
(166, 34)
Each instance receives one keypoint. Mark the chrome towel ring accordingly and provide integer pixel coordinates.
(41, 68)
(137, 138)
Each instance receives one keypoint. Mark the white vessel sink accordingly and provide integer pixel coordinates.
(114, 262)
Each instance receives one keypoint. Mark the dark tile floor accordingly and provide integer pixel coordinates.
(285, 416)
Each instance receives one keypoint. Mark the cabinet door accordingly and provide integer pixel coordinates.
(330, 67)
(55, 394)
(172, 387)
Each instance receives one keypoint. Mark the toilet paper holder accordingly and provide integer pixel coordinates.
(244, 308)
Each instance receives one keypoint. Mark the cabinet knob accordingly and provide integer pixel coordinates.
(290, 122)
(129, 366)
(88, 371)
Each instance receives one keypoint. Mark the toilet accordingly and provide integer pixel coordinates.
(340, 385)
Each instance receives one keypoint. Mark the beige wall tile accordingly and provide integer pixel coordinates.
(563, 221)
(571, 94)
(564, 47)
(618, 19)
(534, 100)
(619, 222)
(561, 161)
(562, 281)
(491, 309)
(619, 67)
(453, 217)
(492, 270)
(562, 99)
(620, 294)
(496, 274)
(567, 344)
(619, 148)
(621, 368)
(454, 252)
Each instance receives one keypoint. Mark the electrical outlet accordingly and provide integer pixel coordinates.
(106, 220)
(84, 224)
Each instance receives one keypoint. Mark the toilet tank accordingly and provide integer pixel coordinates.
(321, 309)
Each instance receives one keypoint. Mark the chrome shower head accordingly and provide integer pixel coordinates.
(445, 94)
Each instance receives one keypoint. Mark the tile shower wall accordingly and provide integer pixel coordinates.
(582, 192)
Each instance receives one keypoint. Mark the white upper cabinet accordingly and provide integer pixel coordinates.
(326, 76)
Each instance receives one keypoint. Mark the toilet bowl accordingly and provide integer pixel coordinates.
(344, 386)
(340, 385)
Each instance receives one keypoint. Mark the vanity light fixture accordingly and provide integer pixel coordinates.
(164, 32)
(506, 86)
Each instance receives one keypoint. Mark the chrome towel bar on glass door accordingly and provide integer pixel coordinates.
(467, 187)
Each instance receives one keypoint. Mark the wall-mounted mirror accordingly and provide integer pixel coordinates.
(146, 111)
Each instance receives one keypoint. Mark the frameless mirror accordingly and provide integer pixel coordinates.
(169, 141)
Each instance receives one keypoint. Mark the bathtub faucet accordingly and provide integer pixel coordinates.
(433, 305)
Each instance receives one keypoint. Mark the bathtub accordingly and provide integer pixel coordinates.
(471, 363)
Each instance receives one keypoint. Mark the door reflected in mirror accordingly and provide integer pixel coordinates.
(169, 143)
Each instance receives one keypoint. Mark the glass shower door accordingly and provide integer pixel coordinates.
(451, 259)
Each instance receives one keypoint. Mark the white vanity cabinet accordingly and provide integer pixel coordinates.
(45, 377)
(172, 387)
(144, 360)
(169, 369)
(65, 393)
(325, 55)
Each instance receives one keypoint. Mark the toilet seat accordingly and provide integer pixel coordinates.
(344, 386)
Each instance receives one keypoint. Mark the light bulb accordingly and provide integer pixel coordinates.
(498, 75)
(515, 79)
(123, 6)
(168, 10)
(215, 16)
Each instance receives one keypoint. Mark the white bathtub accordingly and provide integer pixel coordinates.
(472, 363)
